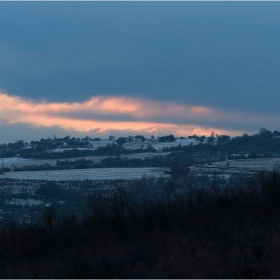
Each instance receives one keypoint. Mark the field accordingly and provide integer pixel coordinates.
(227, 168)
(240, 166)
(135, 144)
(159, 145)
(26, 193)
(20, 162)
(89, 174)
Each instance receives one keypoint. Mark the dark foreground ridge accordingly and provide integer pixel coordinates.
(214, 233)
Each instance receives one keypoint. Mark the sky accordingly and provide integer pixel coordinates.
(126, 68)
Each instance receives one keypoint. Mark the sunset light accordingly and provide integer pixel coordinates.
(98, 115)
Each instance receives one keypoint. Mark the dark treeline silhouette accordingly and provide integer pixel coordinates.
(167, 138)
(206, 233)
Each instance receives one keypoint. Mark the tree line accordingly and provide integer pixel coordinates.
(206, 233)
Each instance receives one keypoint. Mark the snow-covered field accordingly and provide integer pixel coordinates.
(136, 144)
(20, 162)
(60, 150)
(145, 155)
(95, 145)
(23, 202)
(90, 174)
(240, 166)
(101, 143)
(8, 162)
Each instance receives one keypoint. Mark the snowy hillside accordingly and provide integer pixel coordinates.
(136, 144)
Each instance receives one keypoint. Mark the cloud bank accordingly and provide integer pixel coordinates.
(122, 115)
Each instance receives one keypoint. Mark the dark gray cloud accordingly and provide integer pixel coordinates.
(218, 54)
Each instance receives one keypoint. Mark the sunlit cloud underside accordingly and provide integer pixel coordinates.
(123, 115)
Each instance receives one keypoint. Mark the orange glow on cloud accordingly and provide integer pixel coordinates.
(98, 114)
(101, 105)
(123, 126)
